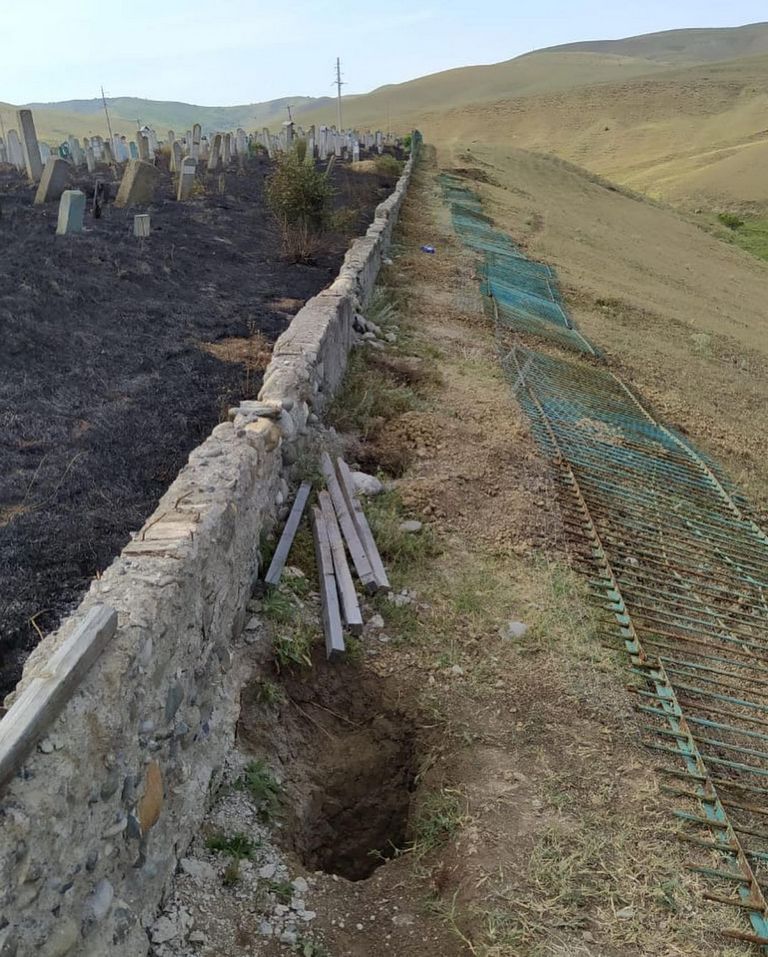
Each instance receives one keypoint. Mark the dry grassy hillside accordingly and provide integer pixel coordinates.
(694, 137)
(680, 313)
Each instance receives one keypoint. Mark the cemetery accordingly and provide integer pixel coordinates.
(131, 277)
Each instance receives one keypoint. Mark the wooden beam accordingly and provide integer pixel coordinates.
(359, 557)
(361, 524)
(45, 696)
(334, 639)
(350, 609)
(289, 533)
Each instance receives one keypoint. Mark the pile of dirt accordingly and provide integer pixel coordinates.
(107, 381)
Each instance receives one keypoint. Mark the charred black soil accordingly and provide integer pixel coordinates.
(104, 385)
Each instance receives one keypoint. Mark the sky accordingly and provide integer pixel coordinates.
(228, 52)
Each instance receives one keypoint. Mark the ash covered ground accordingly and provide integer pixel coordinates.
(104, 385)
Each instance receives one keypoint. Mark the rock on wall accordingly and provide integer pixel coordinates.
(93, 825)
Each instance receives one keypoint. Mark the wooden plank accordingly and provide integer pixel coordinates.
(359, 557)
(350, 609)
(361, 524)
(46, 694)
(289, 533)
(334, 639)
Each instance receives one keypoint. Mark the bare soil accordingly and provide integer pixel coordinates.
(118, 357)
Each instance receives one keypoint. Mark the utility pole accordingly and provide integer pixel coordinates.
(109, 122)
(339, 85)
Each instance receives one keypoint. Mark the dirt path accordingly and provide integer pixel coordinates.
(526, 818)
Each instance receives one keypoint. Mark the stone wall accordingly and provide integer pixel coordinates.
(93, 825)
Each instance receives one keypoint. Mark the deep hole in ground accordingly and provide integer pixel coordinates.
(346, 753)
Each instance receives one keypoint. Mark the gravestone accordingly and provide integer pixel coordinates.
(194, 151)
(288, 130)
(141, 226)
(54, 181)
(45, 153)
(143, 146)
(71, 212)
(107, 154)
(3, 151)
(29, 145)
(75, 151)
(15, 152)
(355, 152)
(267, 141)
(177, 155)
(226, 149)
(186, 178)
(171, 137)
(214, 161)
(133, 150)
(137, 187)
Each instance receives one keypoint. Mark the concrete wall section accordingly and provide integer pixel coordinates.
(93, 824)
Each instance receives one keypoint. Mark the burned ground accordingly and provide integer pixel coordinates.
(104, 384)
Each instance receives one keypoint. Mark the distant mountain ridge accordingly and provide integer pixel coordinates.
(679, 47)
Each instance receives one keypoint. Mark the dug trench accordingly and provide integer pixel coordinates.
(346, 751)
(480, 725)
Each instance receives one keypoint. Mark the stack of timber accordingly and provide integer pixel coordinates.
(339, 528)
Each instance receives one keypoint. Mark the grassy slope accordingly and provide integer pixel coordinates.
(680, 312)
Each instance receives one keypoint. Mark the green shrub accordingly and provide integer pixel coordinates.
(387, 165)
(301, 199)
(263, 787)
(731, 220)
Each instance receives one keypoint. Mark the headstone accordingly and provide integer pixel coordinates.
(143, 146)
(171, 137)
(267, 141)
(90, 159)
(29, 145)
(137, 187)
(15, 152)
(106, 153)
(54, 180)
(141, 226)
(194, 151)
(75, 151)
(205, 148)
(355, 151)
(133, 150)
(214, 161)
(241, 142)
(177, 155)
(153, 144)
(71, 212)
(45, 153)
(3, 151)
(186, 178)
(226, 149)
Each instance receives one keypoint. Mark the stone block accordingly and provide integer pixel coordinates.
(137, 187)
(29, 145)
(54, 181)
(71, 212)
(141, 226)
(186, 178)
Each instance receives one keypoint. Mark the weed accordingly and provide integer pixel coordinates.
(279, 606)
(731, 220)
(238, 845)
(292, 647)
(269, 694)
(283, 890)
(263, 787)
(232, 873)
(311, 948)
(440, 817)
(400, 550)
(387, 165)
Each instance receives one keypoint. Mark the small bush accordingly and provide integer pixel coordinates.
(441, 816)
(263, 787)
(387, 165)
(238, 846)
(300, 198)
(731, 220)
